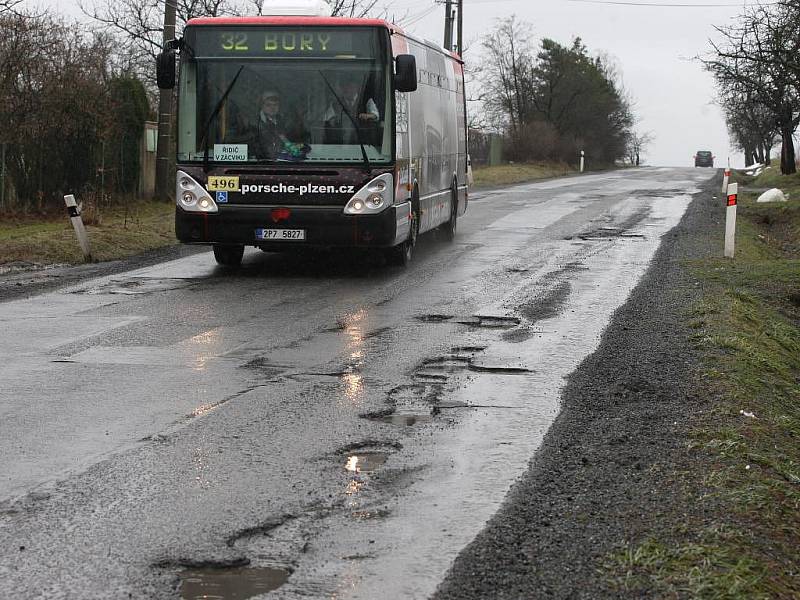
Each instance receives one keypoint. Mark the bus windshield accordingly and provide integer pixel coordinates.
(264, 95)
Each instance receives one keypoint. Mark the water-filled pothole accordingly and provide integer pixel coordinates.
(433, 318)
(490, 321)
(365, 462)
(230, 584)
(404, 419)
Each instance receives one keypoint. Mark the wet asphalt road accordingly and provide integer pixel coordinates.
(350, 424)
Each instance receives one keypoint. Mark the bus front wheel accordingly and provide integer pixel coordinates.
(449, 228)
(228, 255)
(401, 254)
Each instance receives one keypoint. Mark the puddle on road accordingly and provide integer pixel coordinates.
(365, 462)
(230, 584)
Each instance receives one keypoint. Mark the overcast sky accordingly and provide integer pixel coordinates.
(653, 47)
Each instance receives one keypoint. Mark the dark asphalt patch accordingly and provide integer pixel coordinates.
(549, 304)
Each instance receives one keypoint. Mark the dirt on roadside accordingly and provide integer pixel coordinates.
(616, 467)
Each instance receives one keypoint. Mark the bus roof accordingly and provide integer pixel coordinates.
(305, 21)
(294, 20)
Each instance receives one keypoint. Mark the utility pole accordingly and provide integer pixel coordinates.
(164, 145)
(448, 25)
(461, 28)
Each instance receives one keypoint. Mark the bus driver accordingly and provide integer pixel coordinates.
(270, 126)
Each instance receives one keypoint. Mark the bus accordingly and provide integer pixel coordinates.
(314, 131)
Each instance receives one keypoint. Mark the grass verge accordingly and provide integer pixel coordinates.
(518, 173)
(747, 442)
(113, 233)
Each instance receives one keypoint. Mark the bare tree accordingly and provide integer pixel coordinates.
(637, 142)
(504, 72)
(758, 58)
(9, 6)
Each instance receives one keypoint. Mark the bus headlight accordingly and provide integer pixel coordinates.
(373, 197)
(375, 201)
(191, 196)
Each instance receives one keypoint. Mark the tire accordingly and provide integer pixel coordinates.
(228, 255)
(402, 254)
(449, 228)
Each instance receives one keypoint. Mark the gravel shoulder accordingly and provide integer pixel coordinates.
(611, 470)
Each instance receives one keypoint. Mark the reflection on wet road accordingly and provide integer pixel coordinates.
(348, 426)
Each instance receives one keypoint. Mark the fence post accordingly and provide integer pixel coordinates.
(730, 219)
(582, 155)
(74, 212)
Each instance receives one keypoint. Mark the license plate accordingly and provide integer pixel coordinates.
(281, 235)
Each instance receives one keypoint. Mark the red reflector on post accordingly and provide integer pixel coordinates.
(732, 200)
(280, 214)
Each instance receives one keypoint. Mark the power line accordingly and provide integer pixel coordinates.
(644, 4)
(666, 5)
(418, 17)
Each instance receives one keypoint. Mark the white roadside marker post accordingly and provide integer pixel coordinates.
(582, 155)
(730, 219)
(77, 223)
(725, 179)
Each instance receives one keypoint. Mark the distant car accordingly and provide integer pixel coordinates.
(703, 158)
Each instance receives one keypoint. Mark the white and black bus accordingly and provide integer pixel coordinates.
(315, 131)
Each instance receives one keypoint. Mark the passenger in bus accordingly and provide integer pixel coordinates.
(338, 127)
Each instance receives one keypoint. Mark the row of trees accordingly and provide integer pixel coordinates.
(553, 101)
(757, 68)
(74, 102)
(66, 110)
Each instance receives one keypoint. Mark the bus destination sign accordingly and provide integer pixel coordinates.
(309, 42)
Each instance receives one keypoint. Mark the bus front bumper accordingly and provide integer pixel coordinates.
(322, 226)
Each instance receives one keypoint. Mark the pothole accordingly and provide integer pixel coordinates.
(433, 318)
(452, 404)
(499, 369)
(468, 349)
(365, 462)
(445, 364)
(137, 285)
(230, 584)
(490, 321)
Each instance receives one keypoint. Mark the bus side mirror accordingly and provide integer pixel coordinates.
(405, 76)
(165, 70)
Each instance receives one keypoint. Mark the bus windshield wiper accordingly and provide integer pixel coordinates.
(367, 166)
(213, 116)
